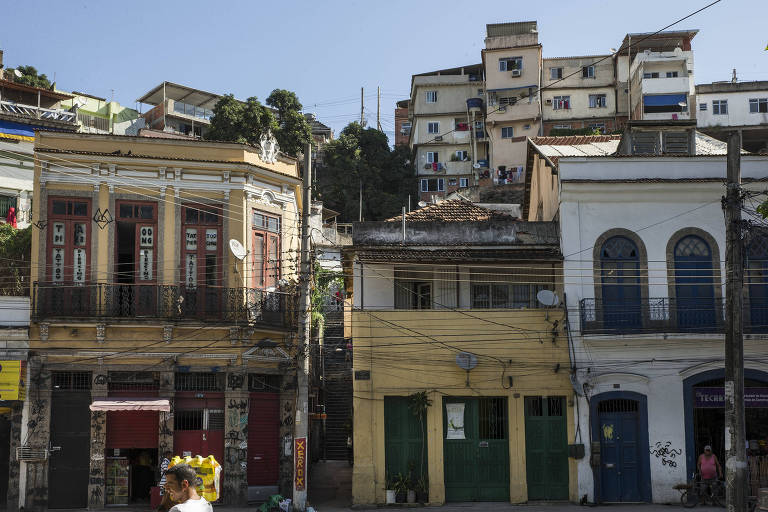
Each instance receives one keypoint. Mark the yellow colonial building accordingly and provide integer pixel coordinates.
(161, 310)
(462, 386)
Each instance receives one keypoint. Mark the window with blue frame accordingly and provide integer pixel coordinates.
(662, 103)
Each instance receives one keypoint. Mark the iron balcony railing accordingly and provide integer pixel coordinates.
(160, 302)
(667, 315)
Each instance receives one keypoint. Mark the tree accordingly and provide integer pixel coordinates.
(238, 121)
(15, 253)
(361, 157)
(29, 76)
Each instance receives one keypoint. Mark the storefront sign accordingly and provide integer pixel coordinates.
(12, 377)
(455, 416)
(300, 459)
(715, 397)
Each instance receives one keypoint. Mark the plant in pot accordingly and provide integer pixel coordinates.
(422, 490)
(390, 490)
(401, 488)
(411, 496)
(419, 402)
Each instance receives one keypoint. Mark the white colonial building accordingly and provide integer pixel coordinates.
(643, 241)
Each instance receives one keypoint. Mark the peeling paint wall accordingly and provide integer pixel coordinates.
(39, 434)
(287, 402)
(96, 483)
(14, 465)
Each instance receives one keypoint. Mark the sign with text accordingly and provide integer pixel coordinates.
(715, 397)
(300, 459)
(12, 377)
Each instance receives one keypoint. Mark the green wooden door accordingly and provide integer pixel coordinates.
(477, 467)
(404, 439)
(546, 448)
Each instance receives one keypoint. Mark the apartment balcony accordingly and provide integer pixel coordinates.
(33, 112)
(166, 303)
(665, 85)
(667, 315)
(511, 112)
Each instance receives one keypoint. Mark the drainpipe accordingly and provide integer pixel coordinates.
(629, 79)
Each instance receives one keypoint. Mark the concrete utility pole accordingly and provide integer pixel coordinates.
(362, 106)
(301, 416)
(735, 435)
(378, 108)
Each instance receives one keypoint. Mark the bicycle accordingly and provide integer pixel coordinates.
(702, 492)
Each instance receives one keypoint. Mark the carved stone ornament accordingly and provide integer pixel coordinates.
(44, 331)
(269, 148)
(100, 332)
(167, 333)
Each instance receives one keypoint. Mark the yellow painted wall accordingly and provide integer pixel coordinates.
(412, 351)
(545, 192)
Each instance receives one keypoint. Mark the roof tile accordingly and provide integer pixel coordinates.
(451, 210)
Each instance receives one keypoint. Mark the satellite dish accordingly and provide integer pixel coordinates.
(422, 203)
(548, 298)
(476, 165)
(80, 101)
(17, 73)
(238, 251)
(466, 360)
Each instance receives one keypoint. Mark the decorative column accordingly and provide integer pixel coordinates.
(235, 464)
(38, 435)
(165, 432)
(287, 401)
(96, 477)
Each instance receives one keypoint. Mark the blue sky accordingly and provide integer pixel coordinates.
(325, 51)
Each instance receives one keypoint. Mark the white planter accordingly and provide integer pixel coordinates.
(411, 496)
(390, 496)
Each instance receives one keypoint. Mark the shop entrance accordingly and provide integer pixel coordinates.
(131, 473)
(709, 418)
(476, 449)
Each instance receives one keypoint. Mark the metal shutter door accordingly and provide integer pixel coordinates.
(132, 429)
(263, 439)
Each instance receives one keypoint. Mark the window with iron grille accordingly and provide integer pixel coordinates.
(617, 405)
(75, 381)
(188, 420)
(264, 383)
(6, 202)
(493, 418)
(215, 419)
(199, 381)
(133, 381)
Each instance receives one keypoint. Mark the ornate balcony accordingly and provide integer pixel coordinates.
(174, 303)
(667, 315)
(31, 111)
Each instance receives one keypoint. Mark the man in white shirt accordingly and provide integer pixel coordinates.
(180, 489)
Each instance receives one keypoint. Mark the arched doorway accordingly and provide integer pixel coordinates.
(703, 401)
(694, 284)
(620, 424)
(620, 276)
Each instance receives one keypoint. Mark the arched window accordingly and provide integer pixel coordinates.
(757, 278)
(620, 278)
(694, 284)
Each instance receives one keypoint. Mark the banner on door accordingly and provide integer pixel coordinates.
(455, 417)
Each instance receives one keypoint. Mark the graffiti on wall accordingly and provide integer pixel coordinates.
(666, 453)
(234, 480)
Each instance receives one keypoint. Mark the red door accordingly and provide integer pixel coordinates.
(264, 439)
(132, 429)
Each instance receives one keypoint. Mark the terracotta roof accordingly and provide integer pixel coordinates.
(451, 210)
(573, 140)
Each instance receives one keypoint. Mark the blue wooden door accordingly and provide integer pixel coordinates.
(620, 462)
(757, 276)
(620, 274)
(694, 284)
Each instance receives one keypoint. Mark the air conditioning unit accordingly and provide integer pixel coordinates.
(438, 138)
(548, 101)
(27, 454)
(516, 72)
(502, 109)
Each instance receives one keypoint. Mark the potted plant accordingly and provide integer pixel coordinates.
(390, 491)
(419, 402)
(422, 490)
(401, 488)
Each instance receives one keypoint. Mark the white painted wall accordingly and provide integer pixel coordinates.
(651, 364)
(738, 109)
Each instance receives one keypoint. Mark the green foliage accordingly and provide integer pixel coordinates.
(236, 121)
(273, 503)
(15, 253)
(31, 77)
(326, 281)
(362, 155)
(763, 209)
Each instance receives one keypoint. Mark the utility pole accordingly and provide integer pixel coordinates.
(735, 435)
(362, 106)
(378, 108)
(301, 416)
